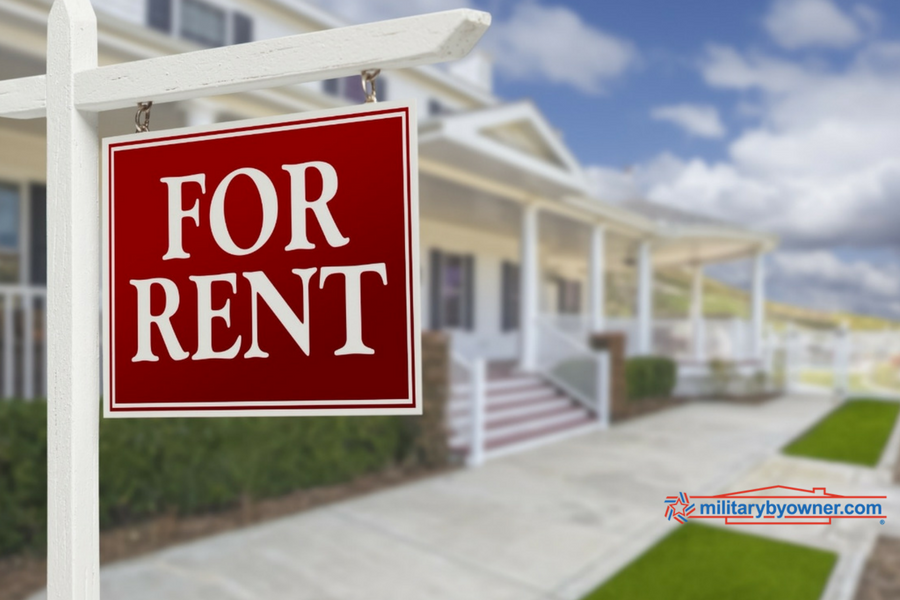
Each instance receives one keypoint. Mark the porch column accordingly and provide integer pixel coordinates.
(758, 306)
(596, 278)
(698, 325)
(529, 292)
(199, 112)
(645, 299)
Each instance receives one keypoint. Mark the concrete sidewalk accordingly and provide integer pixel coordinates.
(545, 524)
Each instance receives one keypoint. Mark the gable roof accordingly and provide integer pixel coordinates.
(512, 141)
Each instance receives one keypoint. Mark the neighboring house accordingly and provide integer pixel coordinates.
(514, 248)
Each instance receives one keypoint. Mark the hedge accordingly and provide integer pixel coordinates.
(152, 466)
(649, 377)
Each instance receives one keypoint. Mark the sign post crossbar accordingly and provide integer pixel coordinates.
(74, 90)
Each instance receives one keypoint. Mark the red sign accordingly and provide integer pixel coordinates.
(265, 267)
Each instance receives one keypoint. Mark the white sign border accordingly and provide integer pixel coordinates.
(412, 280)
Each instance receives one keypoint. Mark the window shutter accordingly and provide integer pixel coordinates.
(353, 89)
(576, 297)
(242, 28)
(331, 86)
(469, 287)
(509, 307)
(435, 291)
(159, 15)
(38, 234)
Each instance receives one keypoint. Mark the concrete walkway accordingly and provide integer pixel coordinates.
(851, 539)
(550, 523)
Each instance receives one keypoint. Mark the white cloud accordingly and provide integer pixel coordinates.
(700, 120)
(803, 23)
(818, 164)
(535, 42)
(822, 159)
(823, 267)
(554, 44)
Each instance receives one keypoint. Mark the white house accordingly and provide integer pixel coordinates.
(515, 249)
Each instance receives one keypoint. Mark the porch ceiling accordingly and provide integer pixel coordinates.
(698, 249)
(560, 237)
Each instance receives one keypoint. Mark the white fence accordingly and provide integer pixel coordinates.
(23, 346)
(841, 361)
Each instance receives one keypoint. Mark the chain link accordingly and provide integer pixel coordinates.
(142, 117)
(368, 84)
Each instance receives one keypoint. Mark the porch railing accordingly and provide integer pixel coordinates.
(727, 339)
(470, 376)
(572, 366)
(23, 347)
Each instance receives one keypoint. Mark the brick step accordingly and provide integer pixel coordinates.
(523, 429)
(460, 407)
(516, 381)
(460, 419)
(523, 438)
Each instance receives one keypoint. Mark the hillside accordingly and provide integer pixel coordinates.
(672, 300)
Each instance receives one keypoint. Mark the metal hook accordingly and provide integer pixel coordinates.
(368, 84)
(142, 117)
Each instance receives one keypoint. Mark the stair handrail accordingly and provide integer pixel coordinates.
(598, 405)
(476, 370)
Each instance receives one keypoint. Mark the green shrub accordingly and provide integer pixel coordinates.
(722, 373)
(152, 466)
(23, 475)
(649, 377)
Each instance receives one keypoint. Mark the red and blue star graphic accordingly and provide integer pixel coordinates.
(680, 507)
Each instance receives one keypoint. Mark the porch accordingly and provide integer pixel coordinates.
(520, 265)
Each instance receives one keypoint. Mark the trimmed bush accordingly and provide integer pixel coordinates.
(23, 475)
(649, 377)
(153, 466)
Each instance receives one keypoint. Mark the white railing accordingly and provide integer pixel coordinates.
(23, 348)
(573, 367)
(840, 361)
(471, 376)
(725, 339)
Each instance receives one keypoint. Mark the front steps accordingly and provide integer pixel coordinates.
(523, 411)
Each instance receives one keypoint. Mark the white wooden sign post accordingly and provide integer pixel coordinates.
(74, 90)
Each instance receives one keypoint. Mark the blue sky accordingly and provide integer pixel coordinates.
(780, 115)
(615, 128)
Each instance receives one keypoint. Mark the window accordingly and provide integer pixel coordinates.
(199, 22)
(452, 290)
(9, 232)
(242, 29)
(159, 15)
(568, 296)
(202, 23)
(509, 300)
(350, 88)
(436, 108)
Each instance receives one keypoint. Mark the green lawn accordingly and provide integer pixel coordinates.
(698, 562)
(856, 432)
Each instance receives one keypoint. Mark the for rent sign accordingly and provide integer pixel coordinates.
(263, 267)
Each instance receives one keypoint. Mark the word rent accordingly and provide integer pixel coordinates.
(187, 189)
